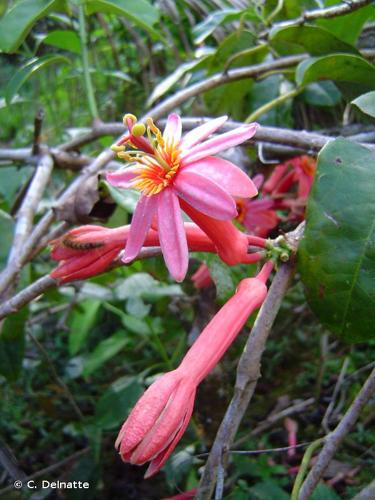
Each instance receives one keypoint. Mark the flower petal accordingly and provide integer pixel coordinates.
(141, 222)
(172, 234)
(173, 129)
(205, 195)
(202, 132)
(123, 178)
(219, 143)
(226, 174)
(158, 462)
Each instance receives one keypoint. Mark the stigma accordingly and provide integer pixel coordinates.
(154, 158)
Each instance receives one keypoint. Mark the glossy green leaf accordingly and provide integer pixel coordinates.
(141, 12)
(347, 27)
(12, 345)
(6, 231)
(366, 103)
(312, 39)
(28, 70)
(168, 82)
(81, 322)
(3, 7)
(117, 401)
(104, 351)
(336, 67)
(323, 93)
(64, 39)
(125, 198)
(337, 253)
(18, 21)
(205, 28)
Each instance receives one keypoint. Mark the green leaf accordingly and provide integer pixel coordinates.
(366, 103)
(3, 7)
(205, 28)
(221, 276)
(324, 492)
(19, 20)
(29, 69)
(337, 67)
(141, 12)
(104, 351)
(323, 93)
(267, 490)
(316, 41)
(145, 286)
(125, 198)
(117, 401)
(6, 231)
(64, 39)
(347, 27)
(81, 322)
(12, 345)
(337, 254)
(168, 82)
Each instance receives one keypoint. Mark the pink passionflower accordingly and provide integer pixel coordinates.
(258, 216)
(162, 414)
(168, 167)
(89, 250)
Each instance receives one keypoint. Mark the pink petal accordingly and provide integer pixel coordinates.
(141, 222)
(172, 234)
(226, 174)
(219, 143)
(158, 462)
(205, 195)
(202, 132)
(173, 129)
(123, 178)
(258, 180)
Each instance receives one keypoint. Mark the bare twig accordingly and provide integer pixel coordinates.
(342, 9)
(55, 375)
(8, 461)
(38, 122)
(47, 470)
(248, 373)
(275, 417)
(28, 208)
(333, 440)
(340, 380)
(44, 283)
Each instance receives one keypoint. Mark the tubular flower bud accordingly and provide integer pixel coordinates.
(89, 250)
(162, 414)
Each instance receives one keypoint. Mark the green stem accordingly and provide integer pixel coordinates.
(272, 104)
(85, 64)
(303, 468)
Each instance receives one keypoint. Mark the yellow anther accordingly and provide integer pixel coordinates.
(154, 129)
(117, 148)
(138, 129)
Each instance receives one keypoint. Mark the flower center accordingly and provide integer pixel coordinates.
(156, 161)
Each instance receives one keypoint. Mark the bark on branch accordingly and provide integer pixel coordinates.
(248, 373)
(336, 437)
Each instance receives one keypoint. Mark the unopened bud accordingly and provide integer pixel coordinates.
(284, 256)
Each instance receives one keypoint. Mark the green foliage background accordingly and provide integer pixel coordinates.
(74, 362)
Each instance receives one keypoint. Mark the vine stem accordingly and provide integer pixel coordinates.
(85, 64)
(335, 438)
(272, 104)
(303, 468)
